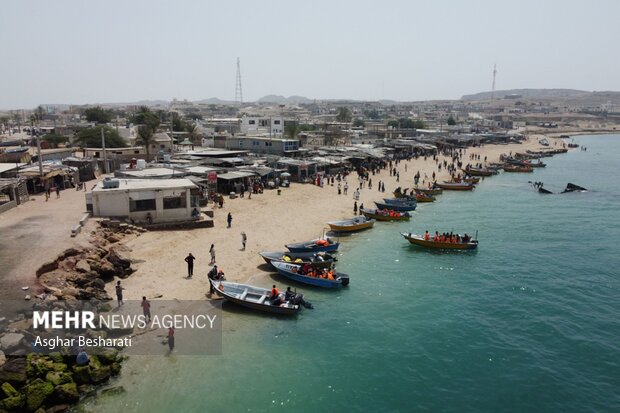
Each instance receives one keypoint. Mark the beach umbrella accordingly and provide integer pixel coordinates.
(285, 174)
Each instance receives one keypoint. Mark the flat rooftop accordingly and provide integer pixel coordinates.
(146, 184)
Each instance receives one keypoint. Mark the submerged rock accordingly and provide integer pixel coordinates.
(14, 371)
(36, 393)
(66, 393)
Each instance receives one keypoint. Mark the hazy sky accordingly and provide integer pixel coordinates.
(84, 51)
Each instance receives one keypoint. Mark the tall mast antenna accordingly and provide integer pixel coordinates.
(238, 88)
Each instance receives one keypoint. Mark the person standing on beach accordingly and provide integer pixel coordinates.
(361, 207)
(212, 253)
(190, 265)
(146, 308)
(47, 194)
(229, 220)
(244, 239)
(119, 293)
(57, 191)
(346, 187)
(355, 208)
(171, 338)
(211, 275)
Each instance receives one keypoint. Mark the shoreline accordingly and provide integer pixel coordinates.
(270, 221)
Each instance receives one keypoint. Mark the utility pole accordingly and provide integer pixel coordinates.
(171, 134)
(105, 158)
(38, 148)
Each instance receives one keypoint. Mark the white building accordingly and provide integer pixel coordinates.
(262, 125)
(164, 200)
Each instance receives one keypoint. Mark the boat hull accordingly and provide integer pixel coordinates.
(453, 186)
(305, 257)
(353, 226)
(404, 216)
(285, 270)
(220, 290)
(420, 241)
(312, 246)
(395, 207)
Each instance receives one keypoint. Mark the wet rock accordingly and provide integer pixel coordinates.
(81, 374)
(2, 358)
(12, 403)
(14, 371)
(36, 393)
(108, 356)
(57, 378)
(59, 408)
(112, 391)
(8, 390)
(27, 297)
(66, 393)
(100, 375)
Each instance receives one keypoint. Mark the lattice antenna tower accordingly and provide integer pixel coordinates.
(238, 88)
(493, 85)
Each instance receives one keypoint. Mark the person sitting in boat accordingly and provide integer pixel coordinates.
(275, 296)
(427, 236)
(436, 236)
(195, 213)
(466, 238)
(305, 269)
(330, 275)
(319, 256)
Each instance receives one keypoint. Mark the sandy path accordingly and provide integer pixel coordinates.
(34, 233)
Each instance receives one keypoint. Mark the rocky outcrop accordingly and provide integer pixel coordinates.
(53, 382)
(82, 273)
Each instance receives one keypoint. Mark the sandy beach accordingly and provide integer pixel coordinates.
(38, 231)
(270, 221)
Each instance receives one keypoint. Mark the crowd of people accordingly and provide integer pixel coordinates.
(447, 237)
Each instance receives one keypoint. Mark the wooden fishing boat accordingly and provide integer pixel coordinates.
(256, 298)
(471, 180)
(351, 225)
(404, 207)
(293, 272)
(422, 197)
(536, 164)
(419, 240)
(516, 168)
(401, 194)
(432, 191)
(478, 171)
(386, 215)
(455, 186)
(316, 259)
(399, 201)
(315, 245)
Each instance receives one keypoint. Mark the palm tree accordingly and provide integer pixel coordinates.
(192, 133)
(147, 138)
(291, 130)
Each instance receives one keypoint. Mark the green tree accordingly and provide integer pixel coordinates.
(372, 114)
(291, 129)
(54, 139)
(451, 121)
(98, 114)
(192, 133)
(343, 114)
(91, 138)
(146, 138)
(145, 116)
(359, 123)
(419, 124)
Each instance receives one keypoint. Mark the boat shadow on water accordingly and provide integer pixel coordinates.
(430, 251)
(232, 308)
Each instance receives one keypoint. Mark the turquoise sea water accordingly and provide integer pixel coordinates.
(529, 322)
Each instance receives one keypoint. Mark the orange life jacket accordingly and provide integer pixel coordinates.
(275, 292)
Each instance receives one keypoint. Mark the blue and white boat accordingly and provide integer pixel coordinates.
(404, 207)
(292, 271)
(315, 245)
